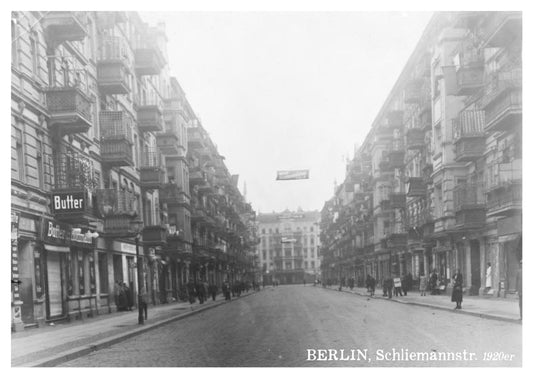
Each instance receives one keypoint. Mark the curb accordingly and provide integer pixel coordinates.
(108, 341)
(436, 307)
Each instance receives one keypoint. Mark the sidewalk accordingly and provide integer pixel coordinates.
(505, 309)
(50, 345)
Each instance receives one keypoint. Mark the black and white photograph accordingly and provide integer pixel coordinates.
(285, 187)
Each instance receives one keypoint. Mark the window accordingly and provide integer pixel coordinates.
(312, 229)
(263, 231)
(34, 53)
(39, 163)
(264, 255)
(20, 155)
(14, 42)
(312, 265)
(92, 274)
(102, 273)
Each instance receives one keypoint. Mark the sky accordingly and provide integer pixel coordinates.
(288, 90)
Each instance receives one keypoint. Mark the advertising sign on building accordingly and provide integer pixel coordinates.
(62, 233)
(71, 203)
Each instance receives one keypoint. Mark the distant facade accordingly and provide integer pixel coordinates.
(289, 246)
(437, 184)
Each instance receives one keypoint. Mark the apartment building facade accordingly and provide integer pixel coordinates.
(437, 183)
(100, 156)
(289, 246)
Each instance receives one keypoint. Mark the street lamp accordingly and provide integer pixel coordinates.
(140, 282)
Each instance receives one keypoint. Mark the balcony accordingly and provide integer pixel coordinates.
(394, 119)
(469, 205)
(148, 61)
(197, 176)
(195, 137)
(397, 200)
(155, 235)
(117, 203)
(469, 79)
(414, 139)
(469, 135)
(62, 26)
(70, 110)
(505, 202)
(501, 28)
(72, 197)
(149, 118)
(503, 101)
(107, 20)
(416, 187)
(116, 141)
(396, 155)
(412, 91)
(112, 67)
(152, 172)
(504, 188)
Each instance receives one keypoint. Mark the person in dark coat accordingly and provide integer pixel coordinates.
(213, 291)
(200, 292)
(457, 291)
(372, 285)
(226, 291)
(433, 283)
(191, 291)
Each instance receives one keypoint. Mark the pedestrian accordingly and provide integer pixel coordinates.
(390, 285)
(122, 298)
(405, 285)
(398, 286)
(116, 291)
(519, 287)
(213, 291)
(144, 302)
(433, 282)
(488, 279)
(409, 279)
(226, 291)
(423, 285)
(191, 291)
(304, 281)
(372, 286)
(457, 291)
(129, 296)
(200, 292)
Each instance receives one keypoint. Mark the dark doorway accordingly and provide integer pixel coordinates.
(475, 267)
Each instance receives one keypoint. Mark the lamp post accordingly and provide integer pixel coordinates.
(140, 281)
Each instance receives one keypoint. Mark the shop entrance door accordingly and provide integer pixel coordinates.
(55, 287)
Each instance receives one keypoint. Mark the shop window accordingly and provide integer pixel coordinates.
(92, 274)
(81, 274)
(69, 276)
(38, 274)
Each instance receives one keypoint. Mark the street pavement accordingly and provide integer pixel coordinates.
(505, 309)
(288, 325)
(51, 344)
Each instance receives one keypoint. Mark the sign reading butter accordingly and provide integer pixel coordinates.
(69, 202)
(65, 234)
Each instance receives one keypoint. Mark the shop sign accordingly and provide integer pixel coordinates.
(27, 224)
(61, 233)
(66, 203)
(128, 248)
(14, 225)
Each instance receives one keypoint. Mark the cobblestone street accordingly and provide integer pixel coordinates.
(277, 326)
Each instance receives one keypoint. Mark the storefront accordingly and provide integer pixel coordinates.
(69, 260)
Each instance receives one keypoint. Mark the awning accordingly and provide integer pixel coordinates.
(56, 248)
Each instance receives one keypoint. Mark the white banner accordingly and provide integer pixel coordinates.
(302, 174)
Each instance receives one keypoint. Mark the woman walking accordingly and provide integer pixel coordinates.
(457, 292)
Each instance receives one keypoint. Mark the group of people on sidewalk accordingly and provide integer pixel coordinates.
(201, 290)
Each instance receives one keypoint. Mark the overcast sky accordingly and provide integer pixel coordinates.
(280, 91)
